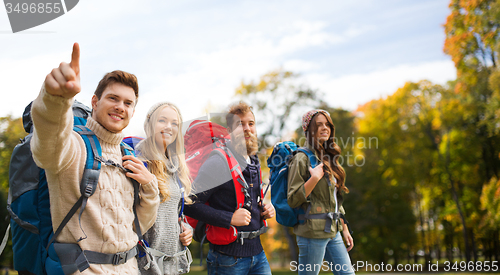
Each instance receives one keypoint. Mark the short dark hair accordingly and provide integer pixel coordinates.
(117, 76)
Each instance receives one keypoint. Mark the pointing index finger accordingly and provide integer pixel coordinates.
(75, 58)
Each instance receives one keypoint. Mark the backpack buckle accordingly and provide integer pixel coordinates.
(88, 190)
(333, 215)
(89, 182)
(119, 258)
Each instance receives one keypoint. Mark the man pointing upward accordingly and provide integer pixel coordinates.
(107, 221)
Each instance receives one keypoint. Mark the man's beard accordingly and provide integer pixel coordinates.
(238, 144)
(252, 144)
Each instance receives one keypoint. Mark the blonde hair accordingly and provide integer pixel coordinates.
(158, 161)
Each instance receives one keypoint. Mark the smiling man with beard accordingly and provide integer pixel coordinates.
(245, 255)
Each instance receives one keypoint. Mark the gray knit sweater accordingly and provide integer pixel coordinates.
(164, 236)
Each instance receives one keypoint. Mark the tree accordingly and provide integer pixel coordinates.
(11, 131)
(491, 204)
(278, 98)
(472, 40)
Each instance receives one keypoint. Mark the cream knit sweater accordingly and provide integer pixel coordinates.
(108, 218)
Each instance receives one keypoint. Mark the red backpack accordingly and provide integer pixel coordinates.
(202, 139)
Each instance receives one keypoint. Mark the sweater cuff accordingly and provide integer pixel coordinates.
(64, 103)
(150, 189)
(225, 219)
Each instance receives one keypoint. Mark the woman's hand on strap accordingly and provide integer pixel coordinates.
(186, 236)
(347, 237)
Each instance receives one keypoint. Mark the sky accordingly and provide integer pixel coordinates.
(196, 53)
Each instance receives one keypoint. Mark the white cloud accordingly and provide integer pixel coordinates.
(349, 91)
(23, 80)
(195, 54)
(299, 65)
(213, 76)
(306, 34)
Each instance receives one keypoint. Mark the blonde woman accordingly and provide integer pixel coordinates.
(163, 152)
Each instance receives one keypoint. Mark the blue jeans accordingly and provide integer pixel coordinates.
(312, 252)
(221, 264)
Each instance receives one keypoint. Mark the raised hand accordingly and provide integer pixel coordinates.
(65, 80)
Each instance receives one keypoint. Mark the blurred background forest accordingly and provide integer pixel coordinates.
(422, 165)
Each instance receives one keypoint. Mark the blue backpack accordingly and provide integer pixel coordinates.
(278, 164)
(33, 238)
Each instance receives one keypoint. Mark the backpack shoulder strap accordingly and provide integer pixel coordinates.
(92, 163)
(310, 154)
(181, 212)
(240, 184)
(89, 180)
(262, 196)
(126, 151)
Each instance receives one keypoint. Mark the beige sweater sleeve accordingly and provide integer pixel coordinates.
(53, 144)
(148, 206)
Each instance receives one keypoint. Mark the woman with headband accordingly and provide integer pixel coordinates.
(318, 191)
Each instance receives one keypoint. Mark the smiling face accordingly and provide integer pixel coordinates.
(166, 128)
(323, 128)
(115, 108)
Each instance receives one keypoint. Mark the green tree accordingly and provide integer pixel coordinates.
(278, 98)
(472, 40)
(11, 131)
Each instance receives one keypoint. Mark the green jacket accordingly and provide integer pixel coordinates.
(321, 199)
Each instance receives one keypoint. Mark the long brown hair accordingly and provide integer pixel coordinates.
(329, 151)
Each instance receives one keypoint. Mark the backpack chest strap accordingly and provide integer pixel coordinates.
(73, 258)
(159, 257)
(328, 217)
(91, 257)
(251, 234)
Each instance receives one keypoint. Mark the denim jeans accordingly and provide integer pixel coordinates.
(312, 252)
(221, 264)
